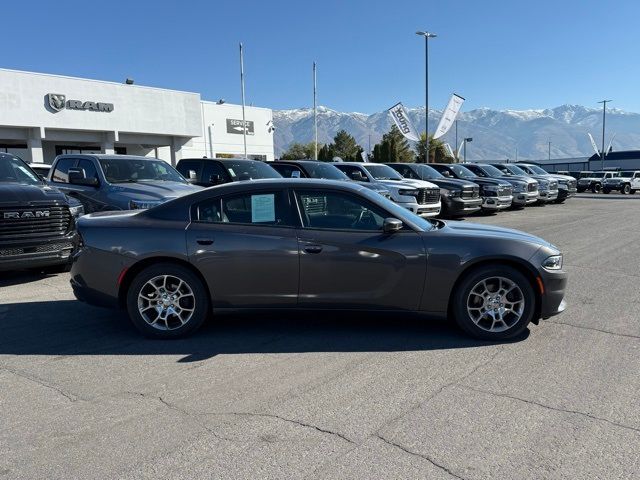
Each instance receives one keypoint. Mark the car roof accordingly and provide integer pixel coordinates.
(106, 156)
(223, 160)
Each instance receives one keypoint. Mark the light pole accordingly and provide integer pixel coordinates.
(464, 144)
(427, 36)
(244, 123)
(549, 151)
(315, 117)
(604, 114)
(456, 144)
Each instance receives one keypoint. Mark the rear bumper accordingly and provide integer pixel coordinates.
(90, 296)
(461, 206)
(37, 254)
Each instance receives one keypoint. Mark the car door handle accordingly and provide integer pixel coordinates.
(204, 241)
(313, 248)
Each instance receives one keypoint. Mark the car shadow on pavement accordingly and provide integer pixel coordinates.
(70, 328)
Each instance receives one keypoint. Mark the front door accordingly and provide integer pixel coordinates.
(246, 247)
(346, 261)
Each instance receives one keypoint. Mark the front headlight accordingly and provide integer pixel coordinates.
(411, 193)
(143, 204)
(76, 211)
(553, 262)
(452, 193)
(520, 187)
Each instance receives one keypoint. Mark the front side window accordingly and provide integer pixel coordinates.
(132, 170)
(256, 208)
(249, 170)
(383, 172)
(213, 169)
(406, 172)
(330, 210)
(61, 172)
(353, 172)
(89, 168)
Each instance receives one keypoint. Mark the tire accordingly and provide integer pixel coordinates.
(163, 320)
(482, 326)
(596, 188)
(626, 189)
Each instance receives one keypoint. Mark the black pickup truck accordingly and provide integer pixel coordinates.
(37, 221)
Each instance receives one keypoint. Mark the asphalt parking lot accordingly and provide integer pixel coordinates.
(82, 395)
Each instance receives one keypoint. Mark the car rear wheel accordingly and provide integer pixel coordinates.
(167, 301)
(494, 303)
(596, 188)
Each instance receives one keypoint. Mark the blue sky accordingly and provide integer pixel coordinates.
(497, 54)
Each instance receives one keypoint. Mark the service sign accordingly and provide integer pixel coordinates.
(235, 126)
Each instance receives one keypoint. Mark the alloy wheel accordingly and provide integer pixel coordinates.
(495, 304)
(166, 302)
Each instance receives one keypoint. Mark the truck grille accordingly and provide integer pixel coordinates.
(473, 192)
(553, 185)
(572, 184)
(34, 222)
(428, 195)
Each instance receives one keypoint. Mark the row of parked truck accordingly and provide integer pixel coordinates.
(37, 209)
(607, 181)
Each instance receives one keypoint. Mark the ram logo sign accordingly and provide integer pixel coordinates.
(19, 215)
(58, 102)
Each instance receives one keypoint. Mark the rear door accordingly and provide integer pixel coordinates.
(246, 247)
(346, 261)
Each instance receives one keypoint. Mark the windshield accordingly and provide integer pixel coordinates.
(537, 169)
(249, 170)
(14, 170)
(492, 171)
(515, 170)
(462, 172)
(324, 170)
(427, 173)
(132, 170)
(383, 172)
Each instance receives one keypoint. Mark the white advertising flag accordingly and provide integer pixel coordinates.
(593, 144)
(449, 115)
(449, 150)
(610, 143)
(403, 123)
(459, 149)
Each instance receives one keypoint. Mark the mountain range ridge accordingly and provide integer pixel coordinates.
(497, 134)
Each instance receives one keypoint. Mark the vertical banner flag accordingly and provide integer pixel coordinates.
(593, 144)
(449, 150)
(459, 149)
(403, 123)
(608, 150)
(449, 115)
(365, 157)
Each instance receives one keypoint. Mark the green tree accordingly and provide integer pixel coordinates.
(345, 146)
(437, 151)
(394, 147)
(296, 151)
(326, 153)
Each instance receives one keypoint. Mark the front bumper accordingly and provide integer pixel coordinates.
(460, 206)
(46, 252)
(566, 193)
(552, 299)
(547, 196)
(428, 210)
(521, 199)
(496, 203)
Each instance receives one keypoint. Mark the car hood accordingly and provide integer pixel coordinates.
(491, 181)
(16, 193)
(563, 178)
(154, 190)
(407, 181)
(477, 229)
(452, 183)
(519, 178)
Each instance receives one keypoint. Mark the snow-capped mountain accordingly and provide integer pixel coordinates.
(496, 133)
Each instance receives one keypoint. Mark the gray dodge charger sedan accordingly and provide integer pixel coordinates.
(311, 244)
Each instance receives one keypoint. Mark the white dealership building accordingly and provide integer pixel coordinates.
(43, 115)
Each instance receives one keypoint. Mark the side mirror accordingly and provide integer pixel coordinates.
(77, 176)
(446, 173)
(215, 179)
(359, 176)
(391, 225)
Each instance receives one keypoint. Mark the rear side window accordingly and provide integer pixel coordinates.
(186, 167)
(61, 172)
(287, 171)
(213, 168)
(255, 208)
(354, 173)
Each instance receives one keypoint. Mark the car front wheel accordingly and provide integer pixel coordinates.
(626, 189)
(494, 303)
(167, 301)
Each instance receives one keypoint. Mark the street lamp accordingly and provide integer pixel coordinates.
(464, 143)
(427, 36)
(604, 113)
(549, 151)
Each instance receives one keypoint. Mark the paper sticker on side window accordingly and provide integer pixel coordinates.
(263, 208)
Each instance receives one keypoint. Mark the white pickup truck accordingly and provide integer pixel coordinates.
(627, 182)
